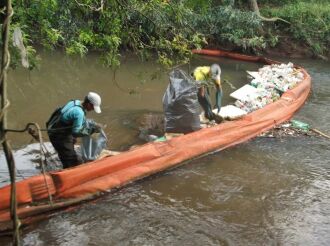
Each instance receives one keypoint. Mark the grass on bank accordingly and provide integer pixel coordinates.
(310, 23)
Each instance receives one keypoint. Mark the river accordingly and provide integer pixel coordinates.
(267, 191)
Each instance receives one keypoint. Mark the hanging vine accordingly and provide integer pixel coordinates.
(5, 61)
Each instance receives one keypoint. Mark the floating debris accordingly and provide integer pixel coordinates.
(284, 130)
(293, 128)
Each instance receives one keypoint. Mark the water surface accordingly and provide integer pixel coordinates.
(267, 191)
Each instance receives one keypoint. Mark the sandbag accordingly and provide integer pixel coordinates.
(180, 104)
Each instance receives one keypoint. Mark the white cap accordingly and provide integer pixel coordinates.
(215, 72)
(95, 99)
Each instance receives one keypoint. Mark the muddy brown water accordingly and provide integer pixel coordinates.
(267, 191)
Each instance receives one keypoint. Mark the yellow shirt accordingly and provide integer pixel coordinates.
(203, 74)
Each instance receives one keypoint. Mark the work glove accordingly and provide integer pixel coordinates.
(97, 128)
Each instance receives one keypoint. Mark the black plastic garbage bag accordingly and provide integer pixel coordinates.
(180, 104)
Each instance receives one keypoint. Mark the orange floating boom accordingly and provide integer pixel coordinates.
(87, 181)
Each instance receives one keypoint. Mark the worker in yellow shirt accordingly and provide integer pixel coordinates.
(206, 76)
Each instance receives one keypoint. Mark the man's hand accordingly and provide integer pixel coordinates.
(97, 128)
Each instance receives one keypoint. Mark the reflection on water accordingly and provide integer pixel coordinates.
(263, 192)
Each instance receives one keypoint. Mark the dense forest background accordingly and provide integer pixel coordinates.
(169, 29)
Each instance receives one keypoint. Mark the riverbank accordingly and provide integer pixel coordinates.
(292, 49)
(300, 29)
(286, 48)
(295, 29)
(307, 33)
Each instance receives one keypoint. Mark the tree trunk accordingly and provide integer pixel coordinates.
(255, 8)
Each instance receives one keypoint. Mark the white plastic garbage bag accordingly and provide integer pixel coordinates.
(92, 146)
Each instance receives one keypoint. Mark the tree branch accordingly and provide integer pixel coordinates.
(255, 8)
(91, 7)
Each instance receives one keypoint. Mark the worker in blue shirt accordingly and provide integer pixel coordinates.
(68, 122)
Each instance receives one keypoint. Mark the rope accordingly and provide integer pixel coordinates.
(41, 160)
(43, 149)
(41, 129)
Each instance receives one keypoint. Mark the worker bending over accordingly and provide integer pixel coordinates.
(206, 76)
(68, 122)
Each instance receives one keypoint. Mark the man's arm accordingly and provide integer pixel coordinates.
(218, 96)
(78, 127)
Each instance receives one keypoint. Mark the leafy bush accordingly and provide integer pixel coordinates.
(225, 24)
(169, 29)
(310, 23)
(143, 26)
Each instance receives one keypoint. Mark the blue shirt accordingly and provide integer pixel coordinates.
(73, 114)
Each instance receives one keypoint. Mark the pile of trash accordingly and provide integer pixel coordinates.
(279, 76)
(268, 84)
(293, 128)
(260, 98)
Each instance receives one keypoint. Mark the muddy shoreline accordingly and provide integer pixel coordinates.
(287, 48)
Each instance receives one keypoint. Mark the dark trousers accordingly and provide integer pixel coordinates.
(204, 101)
(64, 145)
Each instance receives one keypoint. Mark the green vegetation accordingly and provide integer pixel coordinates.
(227, 25)
(310, 24)
(168, 29)
(144, 27)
